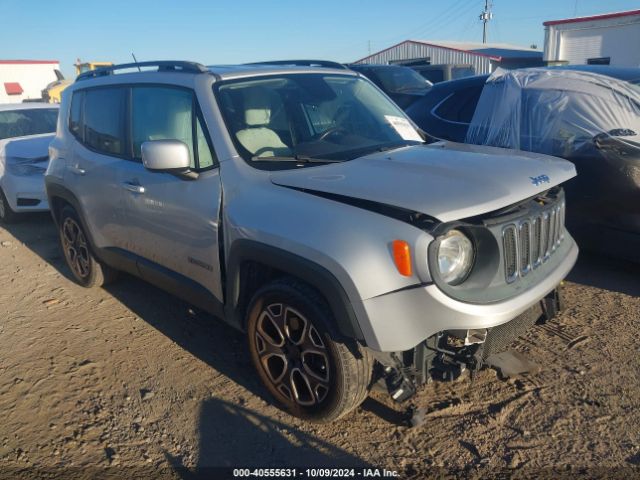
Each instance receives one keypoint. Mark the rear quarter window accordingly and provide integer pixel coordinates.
(75, 115)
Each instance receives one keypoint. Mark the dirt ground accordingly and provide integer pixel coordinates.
(131, 382)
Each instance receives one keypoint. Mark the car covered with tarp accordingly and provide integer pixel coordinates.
(585, 115)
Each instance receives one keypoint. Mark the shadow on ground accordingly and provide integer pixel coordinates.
(228, 432)
(204, 336)
(607, 273)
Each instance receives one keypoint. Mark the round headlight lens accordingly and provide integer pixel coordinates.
(455, 256)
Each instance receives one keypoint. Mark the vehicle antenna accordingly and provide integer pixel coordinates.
(135, 60)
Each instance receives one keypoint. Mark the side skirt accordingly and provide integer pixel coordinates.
(163, 278)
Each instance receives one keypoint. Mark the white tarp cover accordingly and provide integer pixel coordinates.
(557, 112)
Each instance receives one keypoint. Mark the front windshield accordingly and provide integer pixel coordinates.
(401, 79)
(311, 116)
(23, 122)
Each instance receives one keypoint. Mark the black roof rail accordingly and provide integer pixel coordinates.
(163, 66)
(303, 63)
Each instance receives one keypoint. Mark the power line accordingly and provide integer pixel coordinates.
(437, 20)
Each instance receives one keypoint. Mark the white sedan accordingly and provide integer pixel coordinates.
(26, 129)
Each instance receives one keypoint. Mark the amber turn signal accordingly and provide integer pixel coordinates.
(402, 257)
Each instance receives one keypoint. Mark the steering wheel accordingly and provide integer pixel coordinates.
(331, 131)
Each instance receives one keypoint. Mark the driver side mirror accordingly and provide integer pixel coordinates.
(170, 156)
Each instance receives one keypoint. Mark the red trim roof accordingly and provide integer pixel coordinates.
(470, 52)
(27, 62)
(594, 17)
(13, 88)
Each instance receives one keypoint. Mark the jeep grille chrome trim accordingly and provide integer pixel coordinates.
(525, 247)
(529, 242)
(509, 239)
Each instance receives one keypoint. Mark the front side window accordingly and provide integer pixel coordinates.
(25, 122)
(315, 116)
(460, 105)
(161, 113)
(104, 126)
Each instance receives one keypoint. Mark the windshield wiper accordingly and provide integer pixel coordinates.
(295, 158)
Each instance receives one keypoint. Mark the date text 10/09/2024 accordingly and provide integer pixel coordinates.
(315, 472)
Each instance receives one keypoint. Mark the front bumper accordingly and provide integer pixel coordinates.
(25, 193)
(401, 320)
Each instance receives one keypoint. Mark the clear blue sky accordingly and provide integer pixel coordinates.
(225, 31)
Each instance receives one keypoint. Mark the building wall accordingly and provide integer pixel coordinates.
(409, 50)
(32, 77)
(617, 38)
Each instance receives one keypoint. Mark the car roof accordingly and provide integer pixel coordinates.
(145, 70)
(26, 106)
(225, 72)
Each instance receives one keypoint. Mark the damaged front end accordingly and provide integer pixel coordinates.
(446, 355)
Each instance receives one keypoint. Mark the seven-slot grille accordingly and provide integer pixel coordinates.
(530, 241)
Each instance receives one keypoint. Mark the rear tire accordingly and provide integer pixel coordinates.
(86, 268)
(7, 215)
(311, 374)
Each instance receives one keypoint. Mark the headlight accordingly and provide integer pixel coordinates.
(455, 257)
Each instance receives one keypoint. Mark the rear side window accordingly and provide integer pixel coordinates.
(75, 115)
(160, 113)
(104, 115)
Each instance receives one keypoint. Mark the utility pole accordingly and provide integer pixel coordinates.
(485, 16)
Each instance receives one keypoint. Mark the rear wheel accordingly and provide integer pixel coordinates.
(86, 268)
(313, 375)
(6, 214)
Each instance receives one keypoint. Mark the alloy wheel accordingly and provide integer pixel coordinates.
(76, 250)
(293, 354)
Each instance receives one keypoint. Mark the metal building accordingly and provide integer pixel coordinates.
(609, 39)
(24, 79)
(485, 57)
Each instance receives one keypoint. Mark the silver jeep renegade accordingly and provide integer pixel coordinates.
(302, 206)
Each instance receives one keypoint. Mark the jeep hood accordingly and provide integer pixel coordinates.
(446, 180)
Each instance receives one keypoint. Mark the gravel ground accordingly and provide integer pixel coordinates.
(129, 382)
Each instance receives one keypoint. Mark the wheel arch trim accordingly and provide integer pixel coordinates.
(244, 250)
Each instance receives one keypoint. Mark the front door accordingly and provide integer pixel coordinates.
(173, 221)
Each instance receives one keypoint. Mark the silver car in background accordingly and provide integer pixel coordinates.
(301, 205)
(26, 129)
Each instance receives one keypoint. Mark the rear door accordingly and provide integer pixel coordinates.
(96, 160)
(173, 221)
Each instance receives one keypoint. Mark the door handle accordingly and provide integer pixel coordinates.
(77, 170)
(133, 187)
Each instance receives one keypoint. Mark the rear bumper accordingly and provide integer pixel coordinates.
(401, 320)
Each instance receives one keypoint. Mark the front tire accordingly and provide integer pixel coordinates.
(86, 268)
(7, 215)
(312, 375)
